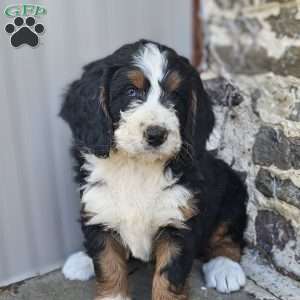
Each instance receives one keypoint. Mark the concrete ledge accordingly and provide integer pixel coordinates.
(54, 287)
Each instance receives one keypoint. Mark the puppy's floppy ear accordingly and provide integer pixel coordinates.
(200, 119)
(85, 109)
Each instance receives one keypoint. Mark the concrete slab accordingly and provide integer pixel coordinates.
(54, 287)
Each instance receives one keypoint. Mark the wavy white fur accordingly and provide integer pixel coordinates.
(137, 207)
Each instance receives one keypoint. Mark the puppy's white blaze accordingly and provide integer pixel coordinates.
(152, 62)
(135, 199)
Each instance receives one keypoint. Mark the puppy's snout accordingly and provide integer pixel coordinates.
(156, 135)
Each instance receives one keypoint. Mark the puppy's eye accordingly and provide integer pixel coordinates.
(132, 92)
(177, 93)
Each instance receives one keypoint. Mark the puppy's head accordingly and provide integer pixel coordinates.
(144, 100)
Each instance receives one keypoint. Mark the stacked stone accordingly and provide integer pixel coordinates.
(255, 46)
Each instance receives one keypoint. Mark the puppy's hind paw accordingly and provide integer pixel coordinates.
(224, 275)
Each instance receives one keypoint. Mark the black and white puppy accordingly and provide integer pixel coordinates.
(149, 189)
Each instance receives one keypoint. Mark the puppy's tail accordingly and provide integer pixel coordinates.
(78, 266)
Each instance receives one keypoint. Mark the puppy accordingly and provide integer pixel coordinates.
(140, 120)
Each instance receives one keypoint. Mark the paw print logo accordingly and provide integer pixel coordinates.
(24, 31)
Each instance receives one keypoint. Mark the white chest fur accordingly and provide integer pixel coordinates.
(133, 197)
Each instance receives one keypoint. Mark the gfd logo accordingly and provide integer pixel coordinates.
(24, 30)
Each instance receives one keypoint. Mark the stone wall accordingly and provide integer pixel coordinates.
(255, 46)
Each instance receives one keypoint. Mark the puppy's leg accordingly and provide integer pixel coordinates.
(111, 271)
(223, 270)
(174, 254)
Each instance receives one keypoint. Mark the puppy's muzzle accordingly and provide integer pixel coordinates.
(155, 135)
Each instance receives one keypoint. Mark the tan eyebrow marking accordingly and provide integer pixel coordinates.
(173, 81)
(137, 78)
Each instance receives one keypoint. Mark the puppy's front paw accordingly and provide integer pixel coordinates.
(224, 275)
(79, 266)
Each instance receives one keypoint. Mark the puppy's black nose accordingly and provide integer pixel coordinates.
(155, 135)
